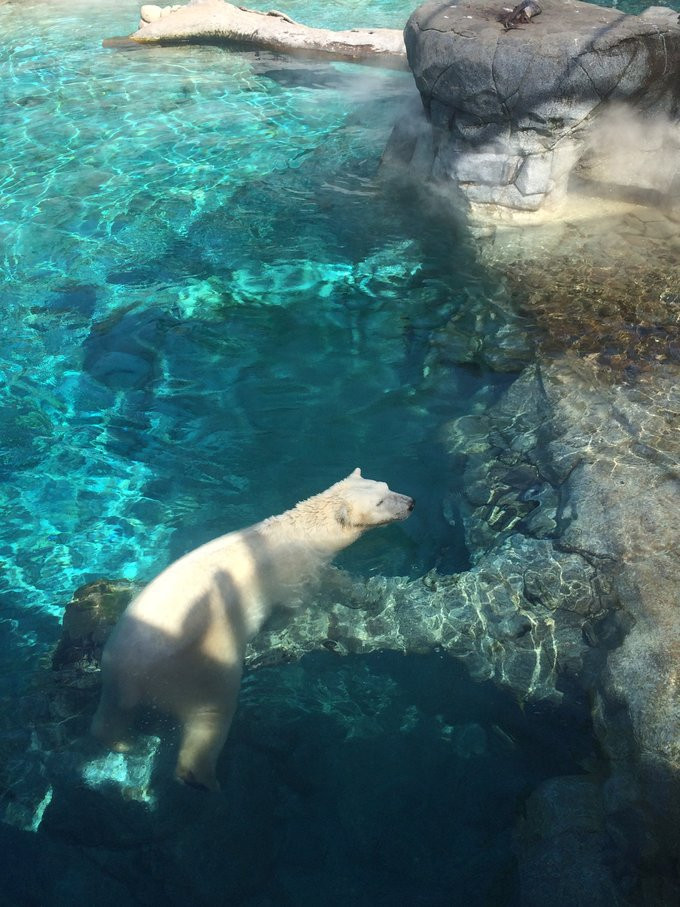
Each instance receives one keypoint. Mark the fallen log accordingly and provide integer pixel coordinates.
(218, 22)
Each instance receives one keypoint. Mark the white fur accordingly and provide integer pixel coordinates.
(180, 644)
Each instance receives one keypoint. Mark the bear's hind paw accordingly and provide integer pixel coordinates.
(186, 776)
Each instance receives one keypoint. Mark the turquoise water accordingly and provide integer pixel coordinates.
(210, 309)
(213, 308)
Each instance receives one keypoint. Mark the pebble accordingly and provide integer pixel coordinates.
(151, 13)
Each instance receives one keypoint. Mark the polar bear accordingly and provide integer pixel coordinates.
(179, 646)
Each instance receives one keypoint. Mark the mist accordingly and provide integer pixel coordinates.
(633, 156)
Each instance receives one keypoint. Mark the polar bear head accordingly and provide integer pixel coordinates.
(332, 520)
(364, 504)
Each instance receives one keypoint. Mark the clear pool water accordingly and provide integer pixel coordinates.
(212, 308)
(209, 308)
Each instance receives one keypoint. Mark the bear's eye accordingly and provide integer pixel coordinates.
(381, 501)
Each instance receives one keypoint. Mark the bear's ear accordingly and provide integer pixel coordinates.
(357, 473)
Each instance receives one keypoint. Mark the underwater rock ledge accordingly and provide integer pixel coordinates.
(571, 501)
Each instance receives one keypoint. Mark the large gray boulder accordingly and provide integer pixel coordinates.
(508, 110)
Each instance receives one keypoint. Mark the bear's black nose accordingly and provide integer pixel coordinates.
(411, 504)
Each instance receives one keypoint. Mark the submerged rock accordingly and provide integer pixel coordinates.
(563, 846)
(88, 619)
(619, 449)
(601, 281)
(500, 621)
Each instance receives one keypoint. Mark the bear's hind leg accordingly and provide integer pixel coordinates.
(203, 735)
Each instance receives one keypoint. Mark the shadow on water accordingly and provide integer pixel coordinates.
(348, 370)
(376, 780)
(379, 780)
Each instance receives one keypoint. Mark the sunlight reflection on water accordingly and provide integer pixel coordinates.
(210, 309)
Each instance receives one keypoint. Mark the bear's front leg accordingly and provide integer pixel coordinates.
(112, 724)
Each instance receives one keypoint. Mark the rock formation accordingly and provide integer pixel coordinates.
(507, 112)
(214, 21)
(605, 291)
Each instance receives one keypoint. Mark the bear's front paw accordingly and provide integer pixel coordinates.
(121, 746)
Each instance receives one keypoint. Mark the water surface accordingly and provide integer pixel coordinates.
(213, 308)
(210, 310)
